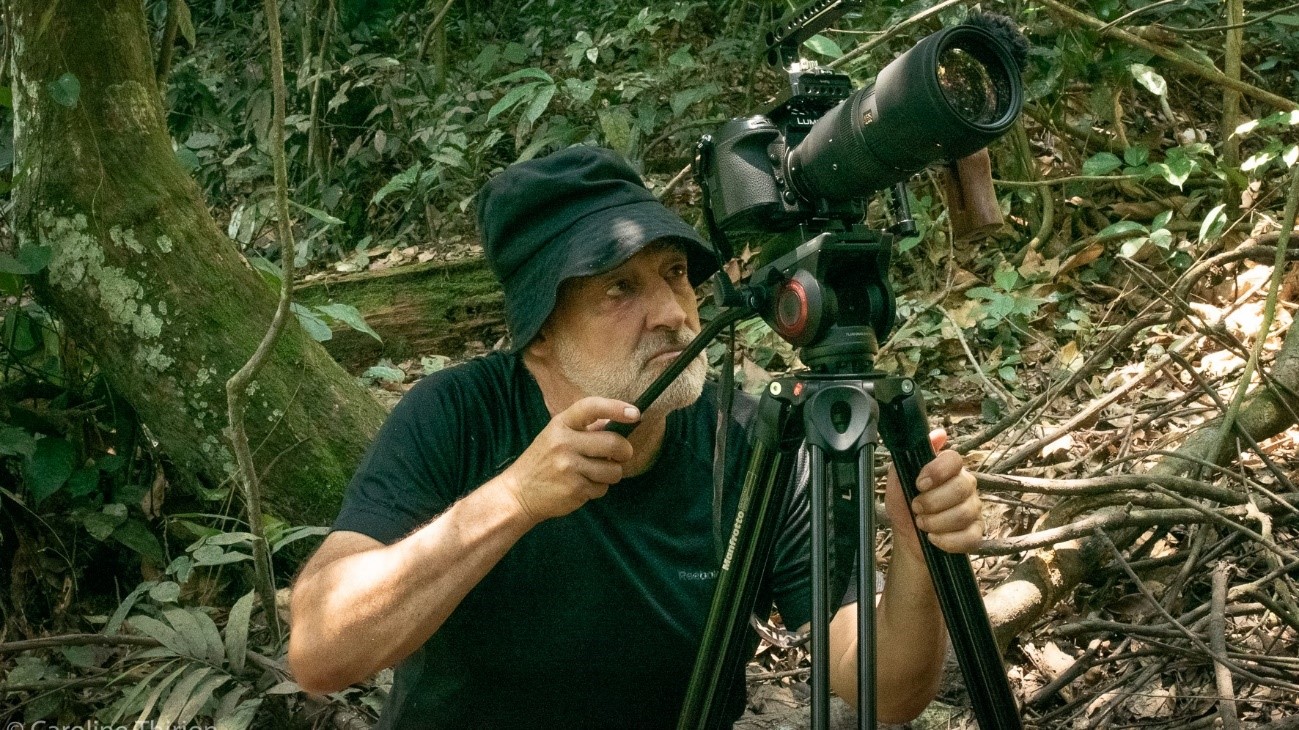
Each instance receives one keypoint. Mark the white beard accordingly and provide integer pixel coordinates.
(625, 381)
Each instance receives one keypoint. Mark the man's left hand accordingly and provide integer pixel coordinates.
(948, 509)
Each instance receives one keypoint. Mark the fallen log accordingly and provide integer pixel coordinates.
(1047, 576)
(419, 309)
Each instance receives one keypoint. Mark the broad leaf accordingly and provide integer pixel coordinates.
(1213, 223)
(236, 639)
(49, 467)
(1148, 78)
(137, 536)
(314, 326)
(1101, 163)
(180, 696)
(350, 316)
(824, 46)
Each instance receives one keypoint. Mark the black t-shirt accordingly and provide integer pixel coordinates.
(590, 620)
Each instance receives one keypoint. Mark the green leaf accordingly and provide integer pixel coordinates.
(197, 699)
(512, 97)
(1101, 163)
(1114, 230)
(1133, 246)
(314, 326)
(319, 215)
(580, 91)
(216, 651)
(83, 482)
(187, 628)
(101, 525)
(161, 633)
(236, 639)
(1162, 237)
(65, 90)
(214, 555)
(185, 23)
(49, 467)
(128, 603)
(297, 533)
(525, 73)
(269, 271)
(242, 716)
(80, 656)
(1161, 220)
(1147, 77)
(1136, 156)
(179, 697)
(1213, 224)
(15, 441)
(539, 104)
(682, 59)
(399, 182)
(31, 259)
(824, 46)
(686, 97)
(383, 372)
(137, 536)
(1006, 279)
(6, 97)
(166, 592)
(157, 692)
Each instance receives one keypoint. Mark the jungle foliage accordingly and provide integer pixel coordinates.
(1136, 191)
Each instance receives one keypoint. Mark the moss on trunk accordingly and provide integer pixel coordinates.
(143, 278)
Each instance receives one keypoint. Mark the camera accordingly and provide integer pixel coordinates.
(821, 149)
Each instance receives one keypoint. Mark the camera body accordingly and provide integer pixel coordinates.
(823, 148)
(742, 166)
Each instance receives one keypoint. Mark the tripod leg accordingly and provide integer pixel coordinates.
(819, 494)
(747, 554)
(905, 432)
(866, 588)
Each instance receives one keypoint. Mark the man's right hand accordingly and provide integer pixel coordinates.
(572, 460)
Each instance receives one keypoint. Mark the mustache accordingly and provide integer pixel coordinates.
(658, 341)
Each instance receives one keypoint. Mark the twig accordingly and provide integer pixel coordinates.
(1102, 485)
(1218, 640)
(1172, 57)
(1269, 313)
(974, 361)
(1138, 11)
(237, 386)
(1234, 24)
(1190, 635)
(168, 47)
(889, 33)
(1099, 357)
(675, 181)
(432, 28)
(1119, 518)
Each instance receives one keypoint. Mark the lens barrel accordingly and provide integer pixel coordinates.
(949, 96)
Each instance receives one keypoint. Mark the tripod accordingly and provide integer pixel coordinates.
(831, 296)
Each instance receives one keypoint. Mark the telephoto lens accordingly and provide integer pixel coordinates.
(947, 97)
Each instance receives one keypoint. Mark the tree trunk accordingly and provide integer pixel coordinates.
(141, 275)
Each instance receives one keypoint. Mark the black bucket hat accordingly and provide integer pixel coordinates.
(578, 212)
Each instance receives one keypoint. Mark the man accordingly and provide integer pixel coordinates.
(525, 567)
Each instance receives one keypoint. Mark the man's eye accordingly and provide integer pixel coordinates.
(619, 288)
(677, 271)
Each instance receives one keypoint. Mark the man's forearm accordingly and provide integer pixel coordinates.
(370, 610)
(911, 643)
(912, 638)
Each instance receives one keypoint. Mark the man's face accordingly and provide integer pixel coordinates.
(612, 334)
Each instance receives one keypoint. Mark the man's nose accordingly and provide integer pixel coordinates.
(665, 308)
